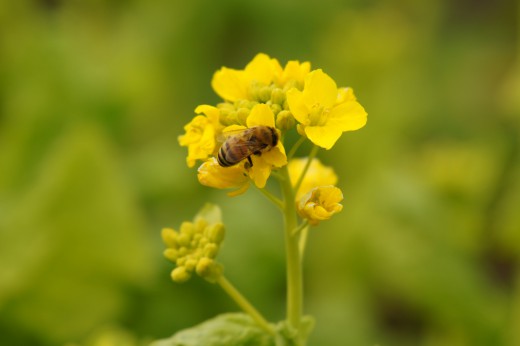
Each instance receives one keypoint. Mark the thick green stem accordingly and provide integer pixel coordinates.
(245, 304)
(294, 265)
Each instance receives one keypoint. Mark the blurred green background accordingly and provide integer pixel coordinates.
(93, 95)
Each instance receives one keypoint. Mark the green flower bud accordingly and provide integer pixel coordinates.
(278, 96)
(180, 274)
(285, 120)
(242, 104)
(276, 108)
(242, 115)
(264, 94)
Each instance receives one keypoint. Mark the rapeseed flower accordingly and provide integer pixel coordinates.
(320, 203)
(323, 112)
(201, 134)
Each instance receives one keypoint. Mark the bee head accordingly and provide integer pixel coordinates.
(274, 136)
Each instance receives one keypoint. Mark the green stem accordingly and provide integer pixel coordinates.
(311, 157)
(294, 265)
(300, 227)
(276, 201)
(303, 239)
(295, 147)
(245, 304)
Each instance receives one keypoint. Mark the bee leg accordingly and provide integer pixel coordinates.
(250, 162)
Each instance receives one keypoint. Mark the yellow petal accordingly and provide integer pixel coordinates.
(211, 174)
(275, 157)
(348, 116)
(260, 171)
(297, 106)
(345, 94)
(230, 84)
(317, 175)
(261, 114)
(323, 136)
(294, 71)
(319, 89)
(211, 112)
(262, 69)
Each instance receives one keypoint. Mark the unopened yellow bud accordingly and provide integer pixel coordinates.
(180, 274)
(169, 237)
(190, 264)
(171, 254)
(183, 240)
(216, 233)
(211, 250)
(209, 269)
(183, 251)
(204, 266)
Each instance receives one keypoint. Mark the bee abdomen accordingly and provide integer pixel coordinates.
(230, 155)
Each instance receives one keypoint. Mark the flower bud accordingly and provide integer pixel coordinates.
(171, 254)
(180, 274)
(169, 237)
(278, 96)
(242, 115)
(264, 94)
(216, 233)
(285, 120)
(276, 108)
(210, 250)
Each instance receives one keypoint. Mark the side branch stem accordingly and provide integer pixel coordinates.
(245, 304)
(311, 157)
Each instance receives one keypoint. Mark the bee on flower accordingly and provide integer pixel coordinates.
(260, 104)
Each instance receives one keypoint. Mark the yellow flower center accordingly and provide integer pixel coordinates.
(318, 115)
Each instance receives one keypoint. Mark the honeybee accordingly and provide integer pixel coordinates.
(253, 141)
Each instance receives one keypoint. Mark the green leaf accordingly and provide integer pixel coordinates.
(231, 329)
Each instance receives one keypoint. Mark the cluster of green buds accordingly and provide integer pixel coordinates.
(194, 247)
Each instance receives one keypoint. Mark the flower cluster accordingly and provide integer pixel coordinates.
(195, 246)
(266, 95)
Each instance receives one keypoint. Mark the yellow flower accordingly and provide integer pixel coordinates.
(263, 80)
(320, 204)
(211, 174)
(233, 85)
(317, 175)
(316, 108)
(200, 134)
(194, 247)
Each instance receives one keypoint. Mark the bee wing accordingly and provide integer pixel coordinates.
(230, 131)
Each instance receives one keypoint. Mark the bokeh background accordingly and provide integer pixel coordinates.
(93, 95)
